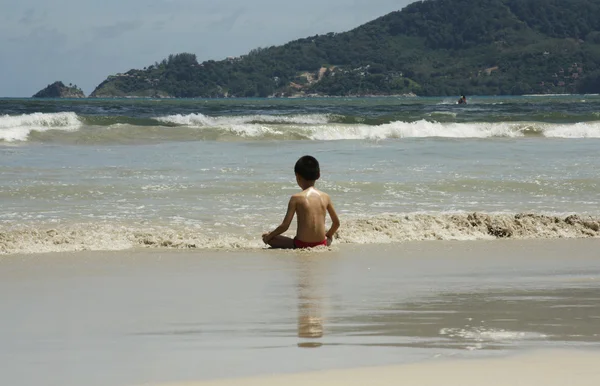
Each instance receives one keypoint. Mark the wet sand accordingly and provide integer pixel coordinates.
(158, 316)
(550, 368)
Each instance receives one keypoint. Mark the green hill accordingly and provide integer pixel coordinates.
(431, 47)
(59, 90)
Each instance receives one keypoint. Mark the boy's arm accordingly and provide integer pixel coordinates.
(335, 221)
(285, 224)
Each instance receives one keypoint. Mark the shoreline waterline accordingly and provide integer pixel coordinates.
(383, 229)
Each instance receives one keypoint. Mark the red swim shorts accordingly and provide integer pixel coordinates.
(302, 244)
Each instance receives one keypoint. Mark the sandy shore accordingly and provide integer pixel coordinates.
(554, 368)
(165, 316)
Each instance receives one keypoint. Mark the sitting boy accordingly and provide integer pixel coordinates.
(311, 206)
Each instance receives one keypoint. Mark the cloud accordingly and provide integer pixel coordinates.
(117, 29)
(41, 39)
(158, 25)
(28, 17)
(227, 22)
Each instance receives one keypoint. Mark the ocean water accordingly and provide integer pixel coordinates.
(138, 173)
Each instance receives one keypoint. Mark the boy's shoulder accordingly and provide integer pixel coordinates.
(305, 193)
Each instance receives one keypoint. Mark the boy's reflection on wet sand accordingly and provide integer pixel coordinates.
(310, 298)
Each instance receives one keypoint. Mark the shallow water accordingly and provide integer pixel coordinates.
(159, 316)
(119, 174)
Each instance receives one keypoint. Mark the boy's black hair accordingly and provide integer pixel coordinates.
(308, 168)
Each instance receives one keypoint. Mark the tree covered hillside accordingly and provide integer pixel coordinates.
(59, 90)
(431, 47)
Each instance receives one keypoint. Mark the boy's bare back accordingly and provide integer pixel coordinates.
(311, 209)
(311, 206)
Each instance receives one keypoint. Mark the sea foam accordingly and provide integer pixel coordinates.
(326, 128)
(201, 120)
(319, 127)
(18, 127)
(381, 229)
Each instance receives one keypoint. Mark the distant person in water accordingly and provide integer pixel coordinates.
(462, 100)
(311, 206)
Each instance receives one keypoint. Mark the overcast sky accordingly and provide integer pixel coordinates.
(83, 41)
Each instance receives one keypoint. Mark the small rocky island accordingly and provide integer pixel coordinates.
(59, 90)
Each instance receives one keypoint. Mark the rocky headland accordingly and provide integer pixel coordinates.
(60, 90)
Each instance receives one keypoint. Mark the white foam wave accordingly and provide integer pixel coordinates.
(575, 130)
(465, 226)
(19, 127)
(418, 129)
(320, 127)
(376, 230)
(112, 237)
(425, 129)
(253, 130)
(201, 120)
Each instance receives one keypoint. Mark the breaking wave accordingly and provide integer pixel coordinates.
(467, 226)
(18, 127)
(201, 120)
(378, 230)
(333, 127)
(68, 127)
(111, 237)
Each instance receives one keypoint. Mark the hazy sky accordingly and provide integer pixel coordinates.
(82, 41)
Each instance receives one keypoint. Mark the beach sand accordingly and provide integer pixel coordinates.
(553, 368)
(477, 311)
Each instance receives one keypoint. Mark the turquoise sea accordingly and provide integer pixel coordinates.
(96, 174)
